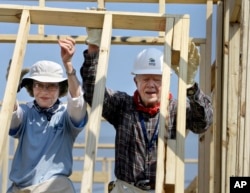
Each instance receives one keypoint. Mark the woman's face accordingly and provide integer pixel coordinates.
(149, 88)
(45, 93)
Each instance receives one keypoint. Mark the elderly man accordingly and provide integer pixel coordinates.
(136, 118)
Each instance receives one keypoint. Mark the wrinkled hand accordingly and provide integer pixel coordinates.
(23, 72)
(193, 64)
(67, 49)
(94, 35)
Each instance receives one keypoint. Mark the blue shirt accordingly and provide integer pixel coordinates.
(45, 147)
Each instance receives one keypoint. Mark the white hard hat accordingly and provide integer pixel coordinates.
(148, 61)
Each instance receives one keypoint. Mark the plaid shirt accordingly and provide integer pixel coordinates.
(134, 161)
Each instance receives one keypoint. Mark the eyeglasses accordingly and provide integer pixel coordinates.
(50, 86)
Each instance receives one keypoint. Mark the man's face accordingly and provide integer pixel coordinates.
(149, 88)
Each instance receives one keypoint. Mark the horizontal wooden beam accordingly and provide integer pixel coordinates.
(99, 177)
(86, 18)
(123, 40)
(100, 145)
(134, 1)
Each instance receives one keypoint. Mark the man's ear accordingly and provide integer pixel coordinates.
(135, 81)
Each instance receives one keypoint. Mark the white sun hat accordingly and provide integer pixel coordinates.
(45, 71)
(148, 61)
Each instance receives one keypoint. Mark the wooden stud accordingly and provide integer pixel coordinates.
(204, 168)
(235, 7)
(162, 10)
(13, 80)
(217, 101)
(164, 106)
(201, 162)
(96, 110)
(181, 109)
(224, 179)
(232, 121)
(5, 166)
(245, 62)
(41, 27)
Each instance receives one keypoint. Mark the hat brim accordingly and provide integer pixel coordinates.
(149, 71)
(26, 81)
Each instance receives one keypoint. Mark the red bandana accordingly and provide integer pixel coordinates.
(140, 107)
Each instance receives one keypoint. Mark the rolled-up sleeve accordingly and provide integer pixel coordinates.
(77, 108)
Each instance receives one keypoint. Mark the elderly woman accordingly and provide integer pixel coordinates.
(45, 128)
